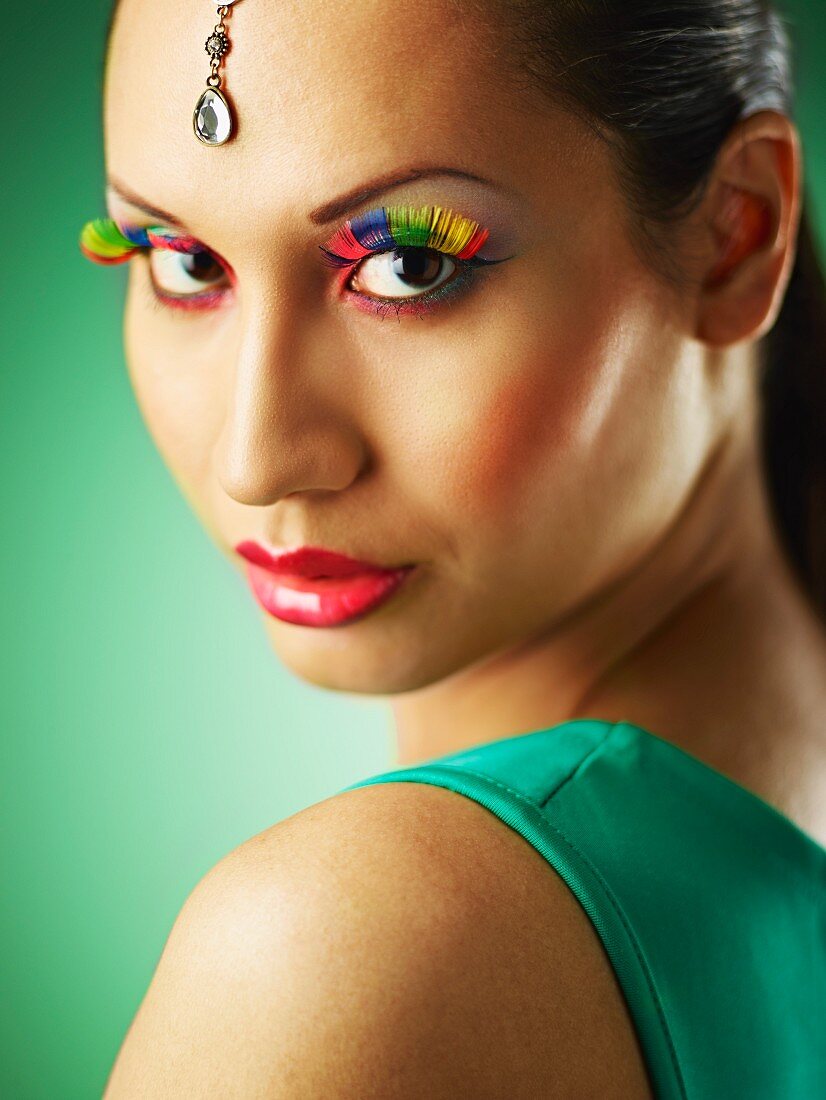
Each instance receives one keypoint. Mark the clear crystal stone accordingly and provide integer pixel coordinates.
(212, 118)
(216, 45)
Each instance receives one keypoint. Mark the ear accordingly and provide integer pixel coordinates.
(750, 219)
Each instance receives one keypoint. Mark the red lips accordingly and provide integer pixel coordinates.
(312, 586)
(305, 561)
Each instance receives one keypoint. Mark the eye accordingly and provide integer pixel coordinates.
(406, 272)
(184, 274)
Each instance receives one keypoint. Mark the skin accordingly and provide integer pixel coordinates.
(568, 450)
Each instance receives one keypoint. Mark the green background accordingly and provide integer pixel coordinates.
(146, 730)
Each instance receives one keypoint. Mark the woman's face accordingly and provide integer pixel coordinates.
(523, 441)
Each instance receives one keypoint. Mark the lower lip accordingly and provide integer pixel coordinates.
(328, 601)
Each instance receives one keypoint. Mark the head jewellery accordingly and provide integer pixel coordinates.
(212, 118)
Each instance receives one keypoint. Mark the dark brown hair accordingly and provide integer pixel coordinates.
(664, 81)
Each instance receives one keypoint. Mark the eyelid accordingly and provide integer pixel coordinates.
(387, 227)
(110, 241)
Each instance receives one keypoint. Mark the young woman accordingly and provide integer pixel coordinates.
(489, 340)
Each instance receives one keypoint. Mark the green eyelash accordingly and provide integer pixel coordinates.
(105, 241)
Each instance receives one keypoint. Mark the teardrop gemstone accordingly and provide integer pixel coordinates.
(212, 118)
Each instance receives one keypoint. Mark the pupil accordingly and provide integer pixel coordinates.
(199, 265)
(418, 267)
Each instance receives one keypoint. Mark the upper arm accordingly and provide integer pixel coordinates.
(394, 941)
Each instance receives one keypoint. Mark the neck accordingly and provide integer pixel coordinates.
(708, 642)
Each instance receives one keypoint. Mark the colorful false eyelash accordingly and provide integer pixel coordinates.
(398, 226)
(106, 241)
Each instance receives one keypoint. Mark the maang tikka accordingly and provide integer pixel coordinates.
(212, 118)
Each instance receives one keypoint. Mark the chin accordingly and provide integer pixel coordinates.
(365, 661)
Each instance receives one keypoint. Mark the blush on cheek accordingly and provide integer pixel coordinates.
(531, 423)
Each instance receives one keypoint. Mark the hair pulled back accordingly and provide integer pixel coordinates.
(665, 81)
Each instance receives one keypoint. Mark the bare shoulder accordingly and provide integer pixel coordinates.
(395, 941)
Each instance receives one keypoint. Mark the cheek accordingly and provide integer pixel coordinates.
(507, 441)
(178, 397)
(555, 463)
(546, 410)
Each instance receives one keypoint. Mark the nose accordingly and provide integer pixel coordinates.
(287, 427)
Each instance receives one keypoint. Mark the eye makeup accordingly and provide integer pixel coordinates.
(106, 241)
(410, 233)
(389, 227)
(409, 236)
(111, 241)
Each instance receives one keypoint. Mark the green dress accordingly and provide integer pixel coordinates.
(711, 903)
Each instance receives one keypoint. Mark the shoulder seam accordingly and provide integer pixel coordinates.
(575, 772)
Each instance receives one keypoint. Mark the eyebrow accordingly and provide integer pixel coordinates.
(335, 208)
(124, 193)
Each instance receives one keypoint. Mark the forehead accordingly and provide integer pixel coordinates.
(320, 91)
(328, 95)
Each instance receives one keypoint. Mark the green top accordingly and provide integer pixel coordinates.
(711, 903)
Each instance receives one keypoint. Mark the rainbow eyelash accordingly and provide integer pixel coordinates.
(389, 227)
(383, 229)
(105, 241)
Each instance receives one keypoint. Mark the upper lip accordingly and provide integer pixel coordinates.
(306, 561)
